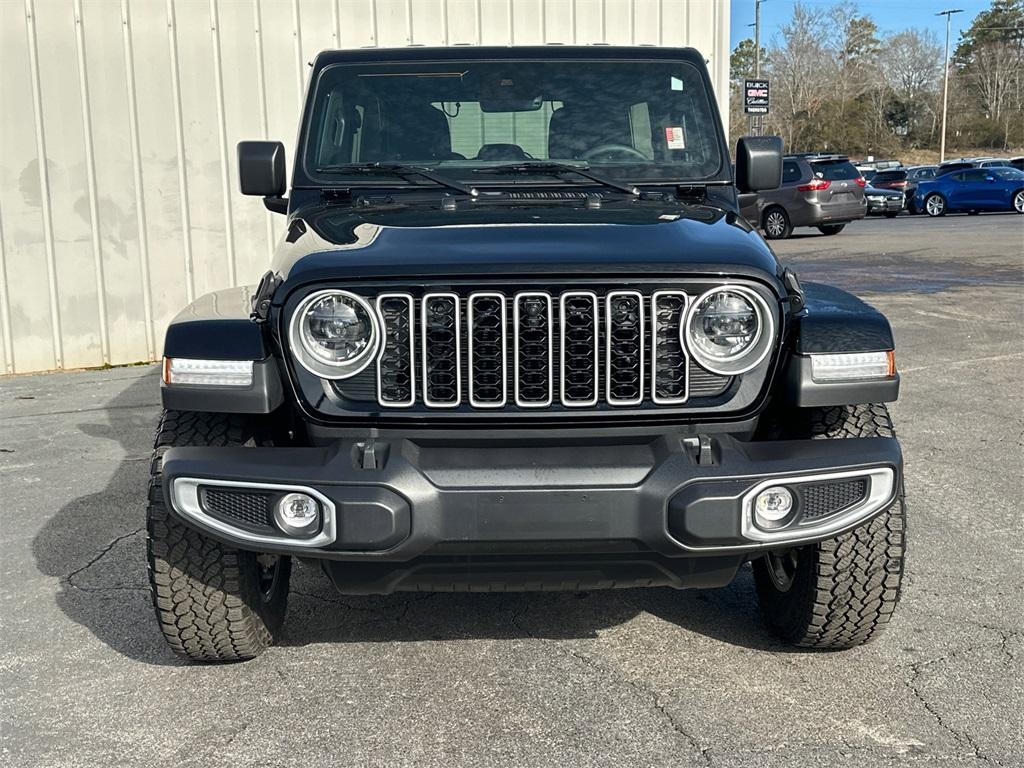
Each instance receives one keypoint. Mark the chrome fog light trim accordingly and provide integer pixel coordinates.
(185, 500)
(881, 492)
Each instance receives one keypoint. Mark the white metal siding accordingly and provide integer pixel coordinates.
(136, 107)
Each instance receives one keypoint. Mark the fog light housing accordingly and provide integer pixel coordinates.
(772, 506)
(297, 514)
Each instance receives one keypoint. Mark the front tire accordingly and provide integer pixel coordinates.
(1018, 201)
(935, 205)
(776, 224)
(838, 593)
(213, 602)
(831, 229)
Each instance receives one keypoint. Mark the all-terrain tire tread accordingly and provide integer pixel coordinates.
(206, 603)
(846, 588)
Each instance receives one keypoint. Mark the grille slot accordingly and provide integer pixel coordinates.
(579, 345)
(669, 360)
(624, 344)
(441, 331)
(823, 499)
(243, 508)
(488, 350)
(534, 346)
(396, 366)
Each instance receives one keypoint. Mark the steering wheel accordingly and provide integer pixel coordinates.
(615, 149)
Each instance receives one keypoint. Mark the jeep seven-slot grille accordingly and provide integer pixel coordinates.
(532, 349)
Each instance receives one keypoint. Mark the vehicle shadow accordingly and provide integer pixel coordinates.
(318, 614)
(95, 547)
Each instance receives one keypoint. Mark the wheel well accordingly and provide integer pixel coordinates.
(770, 208)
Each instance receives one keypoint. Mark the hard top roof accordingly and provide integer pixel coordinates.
(490, 53)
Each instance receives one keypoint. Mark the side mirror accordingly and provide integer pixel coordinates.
(758, 163)
(261, 171)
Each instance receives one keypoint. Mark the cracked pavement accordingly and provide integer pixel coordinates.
(625, 678)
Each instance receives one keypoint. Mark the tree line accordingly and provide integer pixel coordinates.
(838, 84)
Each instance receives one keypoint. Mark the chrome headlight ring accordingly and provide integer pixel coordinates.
(748, 358)
(315, 363)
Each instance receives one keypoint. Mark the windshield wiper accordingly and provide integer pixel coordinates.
(398, 169)
(559, 168)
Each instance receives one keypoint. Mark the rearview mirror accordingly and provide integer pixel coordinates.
(758, 163)
(261, 168)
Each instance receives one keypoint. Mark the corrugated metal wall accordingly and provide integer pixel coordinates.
(136, 106)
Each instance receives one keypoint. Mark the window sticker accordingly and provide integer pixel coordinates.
(674, 137)
(676, 84)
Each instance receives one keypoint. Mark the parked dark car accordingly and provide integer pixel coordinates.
(972, 190)
(952, 166)
(884, 201)
(1017, 162)
(823, 191)
(905, 180)
(470, 370)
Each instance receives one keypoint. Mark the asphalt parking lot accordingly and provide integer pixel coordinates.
(630, 678)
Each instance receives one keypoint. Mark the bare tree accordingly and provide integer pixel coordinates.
(912, 69)
(800, 65)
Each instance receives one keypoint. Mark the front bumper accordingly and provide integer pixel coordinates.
(405, 514)
(885, 205)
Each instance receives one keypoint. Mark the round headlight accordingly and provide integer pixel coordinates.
(334, 334)
(728, 330)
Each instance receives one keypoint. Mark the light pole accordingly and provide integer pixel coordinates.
(945, 83)
(755, 120)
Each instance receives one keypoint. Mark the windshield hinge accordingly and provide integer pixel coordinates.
(263, 296)
(794, 291)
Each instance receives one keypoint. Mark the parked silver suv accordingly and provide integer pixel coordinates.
(823, 191)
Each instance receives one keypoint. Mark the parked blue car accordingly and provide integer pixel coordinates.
(972, 190)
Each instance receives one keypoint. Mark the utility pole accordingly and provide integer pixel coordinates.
(945, 84)
(755, 120)
(757, 38)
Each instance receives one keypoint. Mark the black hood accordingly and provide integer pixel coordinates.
(623, 237)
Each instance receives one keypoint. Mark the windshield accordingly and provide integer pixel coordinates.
(635, 121)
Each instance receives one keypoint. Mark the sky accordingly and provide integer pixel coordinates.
(889, 15)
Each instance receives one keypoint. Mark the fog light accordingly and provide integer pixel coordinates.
(297, 514)
(772, 506)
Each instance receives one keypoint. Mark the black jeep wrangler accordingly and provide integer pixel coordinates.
(516, 336)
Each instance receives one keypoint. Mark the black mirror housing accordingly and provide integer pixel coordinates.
(261, 168)
(758, 163)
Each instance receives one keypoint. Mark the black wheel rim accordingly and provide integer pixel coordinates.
(782, 568)
(267, 571)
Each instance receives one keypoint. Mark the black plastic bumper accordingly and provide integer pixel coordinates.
(486, 515)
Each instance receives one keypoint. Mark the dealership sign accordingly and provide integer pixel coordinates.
(755, 97)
